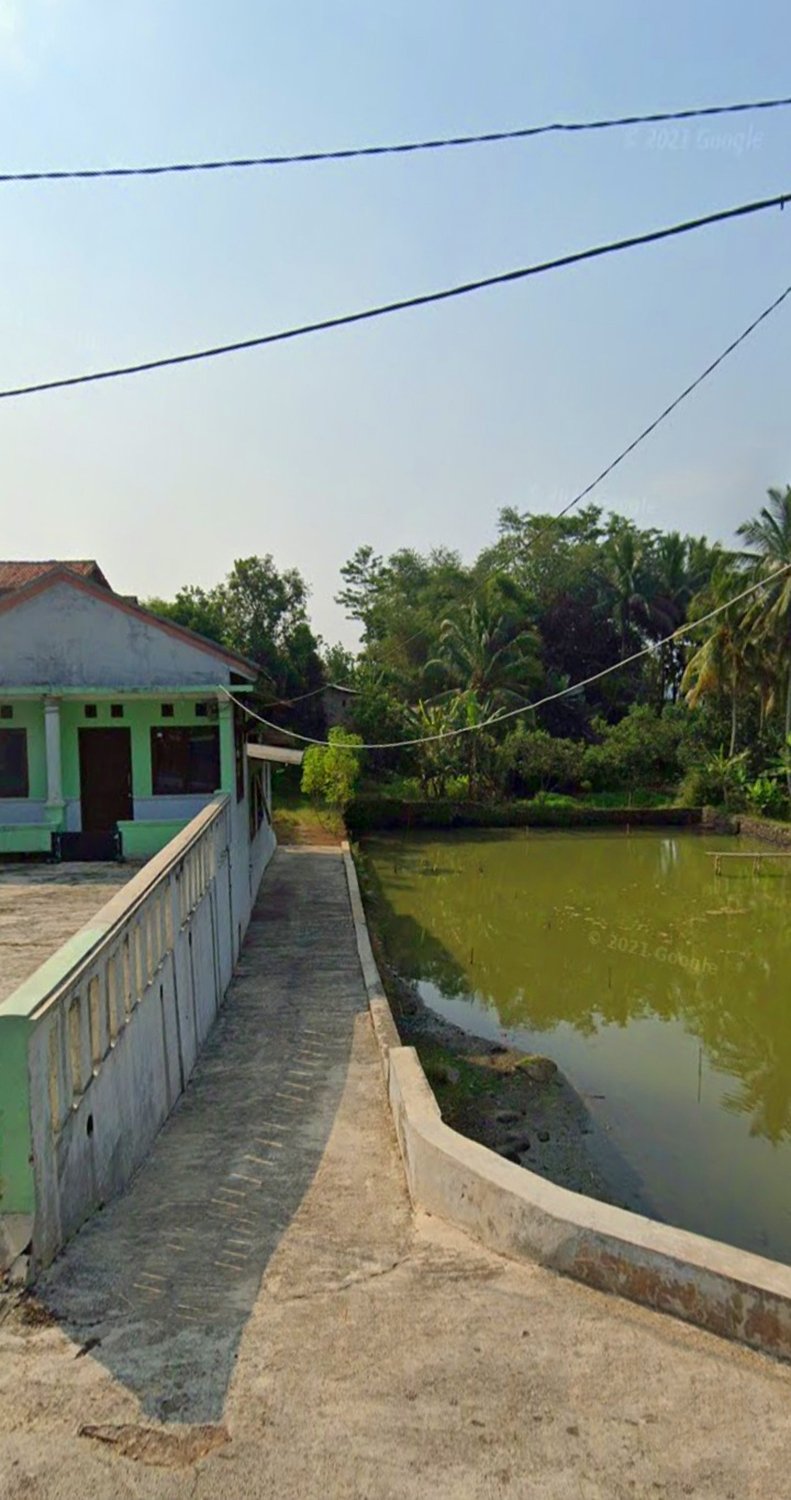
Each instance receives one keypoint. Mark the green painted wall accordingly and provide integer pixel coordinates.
(143, 837)
(147, 836)
(30, 716)
(140, 717)
(16, 1172)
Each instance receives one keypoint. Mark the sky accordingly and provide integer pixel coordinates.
(414, 430)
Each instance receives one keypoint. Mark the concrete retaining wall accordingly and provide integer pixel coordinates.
(764, 828)
(520, 1214)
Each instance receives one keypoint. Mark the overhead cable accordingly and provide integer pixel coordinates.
(350, 153)
(624, 453)
(324, 325)
(500, 718)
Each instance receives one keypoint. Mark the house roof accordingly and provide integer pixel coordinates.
(14, 575)
(60, 572)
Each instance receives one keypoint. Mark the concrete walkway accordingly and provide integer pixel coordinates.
(380, 1356)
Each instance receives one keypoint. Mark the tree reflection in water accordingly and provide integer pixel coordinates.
(600, 930)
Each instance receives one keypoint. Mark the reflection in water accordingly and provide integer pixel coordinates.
(642, 971)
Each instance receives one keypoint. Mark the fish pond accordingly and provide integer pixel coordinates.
(660, 987)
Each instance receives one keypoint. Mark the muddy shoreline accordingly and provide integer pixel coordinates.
(516, 1103)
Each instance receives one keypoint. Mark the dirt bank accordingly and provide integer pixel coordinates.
(516, 1103)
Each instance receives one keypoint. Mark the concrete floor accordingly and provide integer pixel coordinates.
(41, 905)
(383, 1356)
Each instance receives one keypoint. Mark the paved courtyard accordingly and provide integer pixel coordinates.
(41, 905)
(265, 1287)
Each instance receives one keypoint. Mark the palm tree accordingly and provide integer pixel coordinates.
(489, 657)
(623, 571)
(768, 538)
(721, 664)
(673, 582)
(488, 651)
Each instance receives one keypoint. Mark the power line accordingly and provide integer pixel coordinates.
(625, 452)
(682, 396)
(403, 148)
(576, 257)
(499, 718)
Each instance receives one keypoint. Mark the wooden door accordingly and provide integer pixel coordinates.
(105, 778)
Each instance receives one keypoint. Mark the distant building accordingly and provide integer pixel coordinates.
(115, 729)
(338, 704)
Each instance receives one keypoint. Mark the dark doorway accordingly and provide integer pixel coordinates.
(105, 778)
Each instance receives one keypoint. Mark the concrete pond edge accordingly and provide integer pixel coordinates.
(512, 1210)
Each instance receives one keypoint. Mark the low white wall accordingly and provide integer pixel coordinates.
(117, 1017)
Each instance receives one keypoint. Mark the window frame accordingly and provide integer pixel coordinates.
(182, 735)
(21, 789)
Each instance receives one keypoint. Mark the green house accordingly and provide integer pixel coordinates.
(116, 727)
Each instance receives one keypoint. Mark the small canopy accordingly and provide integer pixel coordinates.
(277, 753)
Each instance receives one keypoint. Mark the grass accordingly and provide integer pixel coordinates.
(297, 819)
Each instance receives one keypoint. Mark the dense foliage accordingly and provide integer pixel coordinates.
(454, 656)
(330, 772)
(553, 603)
(262, 614)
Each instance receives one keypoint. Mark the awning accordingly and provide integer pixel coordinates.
(276, 753)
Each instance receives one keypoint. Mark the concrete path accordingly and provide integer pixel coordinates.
(381, 1357)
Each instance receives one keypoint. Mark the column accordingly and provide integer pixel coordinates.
(52, 744)
(227, 747)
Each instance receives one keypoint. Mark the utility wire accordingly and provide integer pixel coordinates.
(742, 211)
(625, 452)
(489, 137)
(682, 396)
(499, 718)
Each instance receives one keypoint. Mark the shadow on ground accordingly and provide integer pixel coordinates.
(160, 1284)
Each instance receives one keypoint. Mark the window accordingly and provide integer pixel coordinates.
(91, 711)
(185, 760)
(166, 709)
(116, 710)
(6, 711)
(13, 763)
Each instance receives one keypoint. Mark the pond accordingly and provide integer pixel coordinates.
(661, 988)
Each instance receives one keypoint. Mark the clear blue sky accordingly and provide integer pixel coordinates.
(412, 431)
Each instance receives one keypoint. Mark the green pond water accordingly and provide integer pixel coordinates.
(662, 990)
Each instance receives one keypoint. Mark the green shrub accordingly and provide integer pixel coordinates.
(368, 814)
(720, 782)
(766, 795)
(532, 761)
(330, 773)
(642, 749)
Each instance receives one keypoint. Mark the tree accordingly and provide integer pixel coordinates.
(768, 538)
(623, 567)
(488, 649)
(340, 665)
(330, 772)
(720, 665)
(261, 613)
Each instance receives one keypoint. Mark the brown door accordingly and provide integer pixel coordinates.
(105, 778)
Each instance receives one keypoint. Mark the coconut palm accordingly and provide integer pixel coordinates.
(488, 651)
(721, 665)
(623, 570)
(768, 538)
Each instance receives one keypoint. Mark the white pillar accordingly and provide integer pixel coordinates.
(52, 742)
